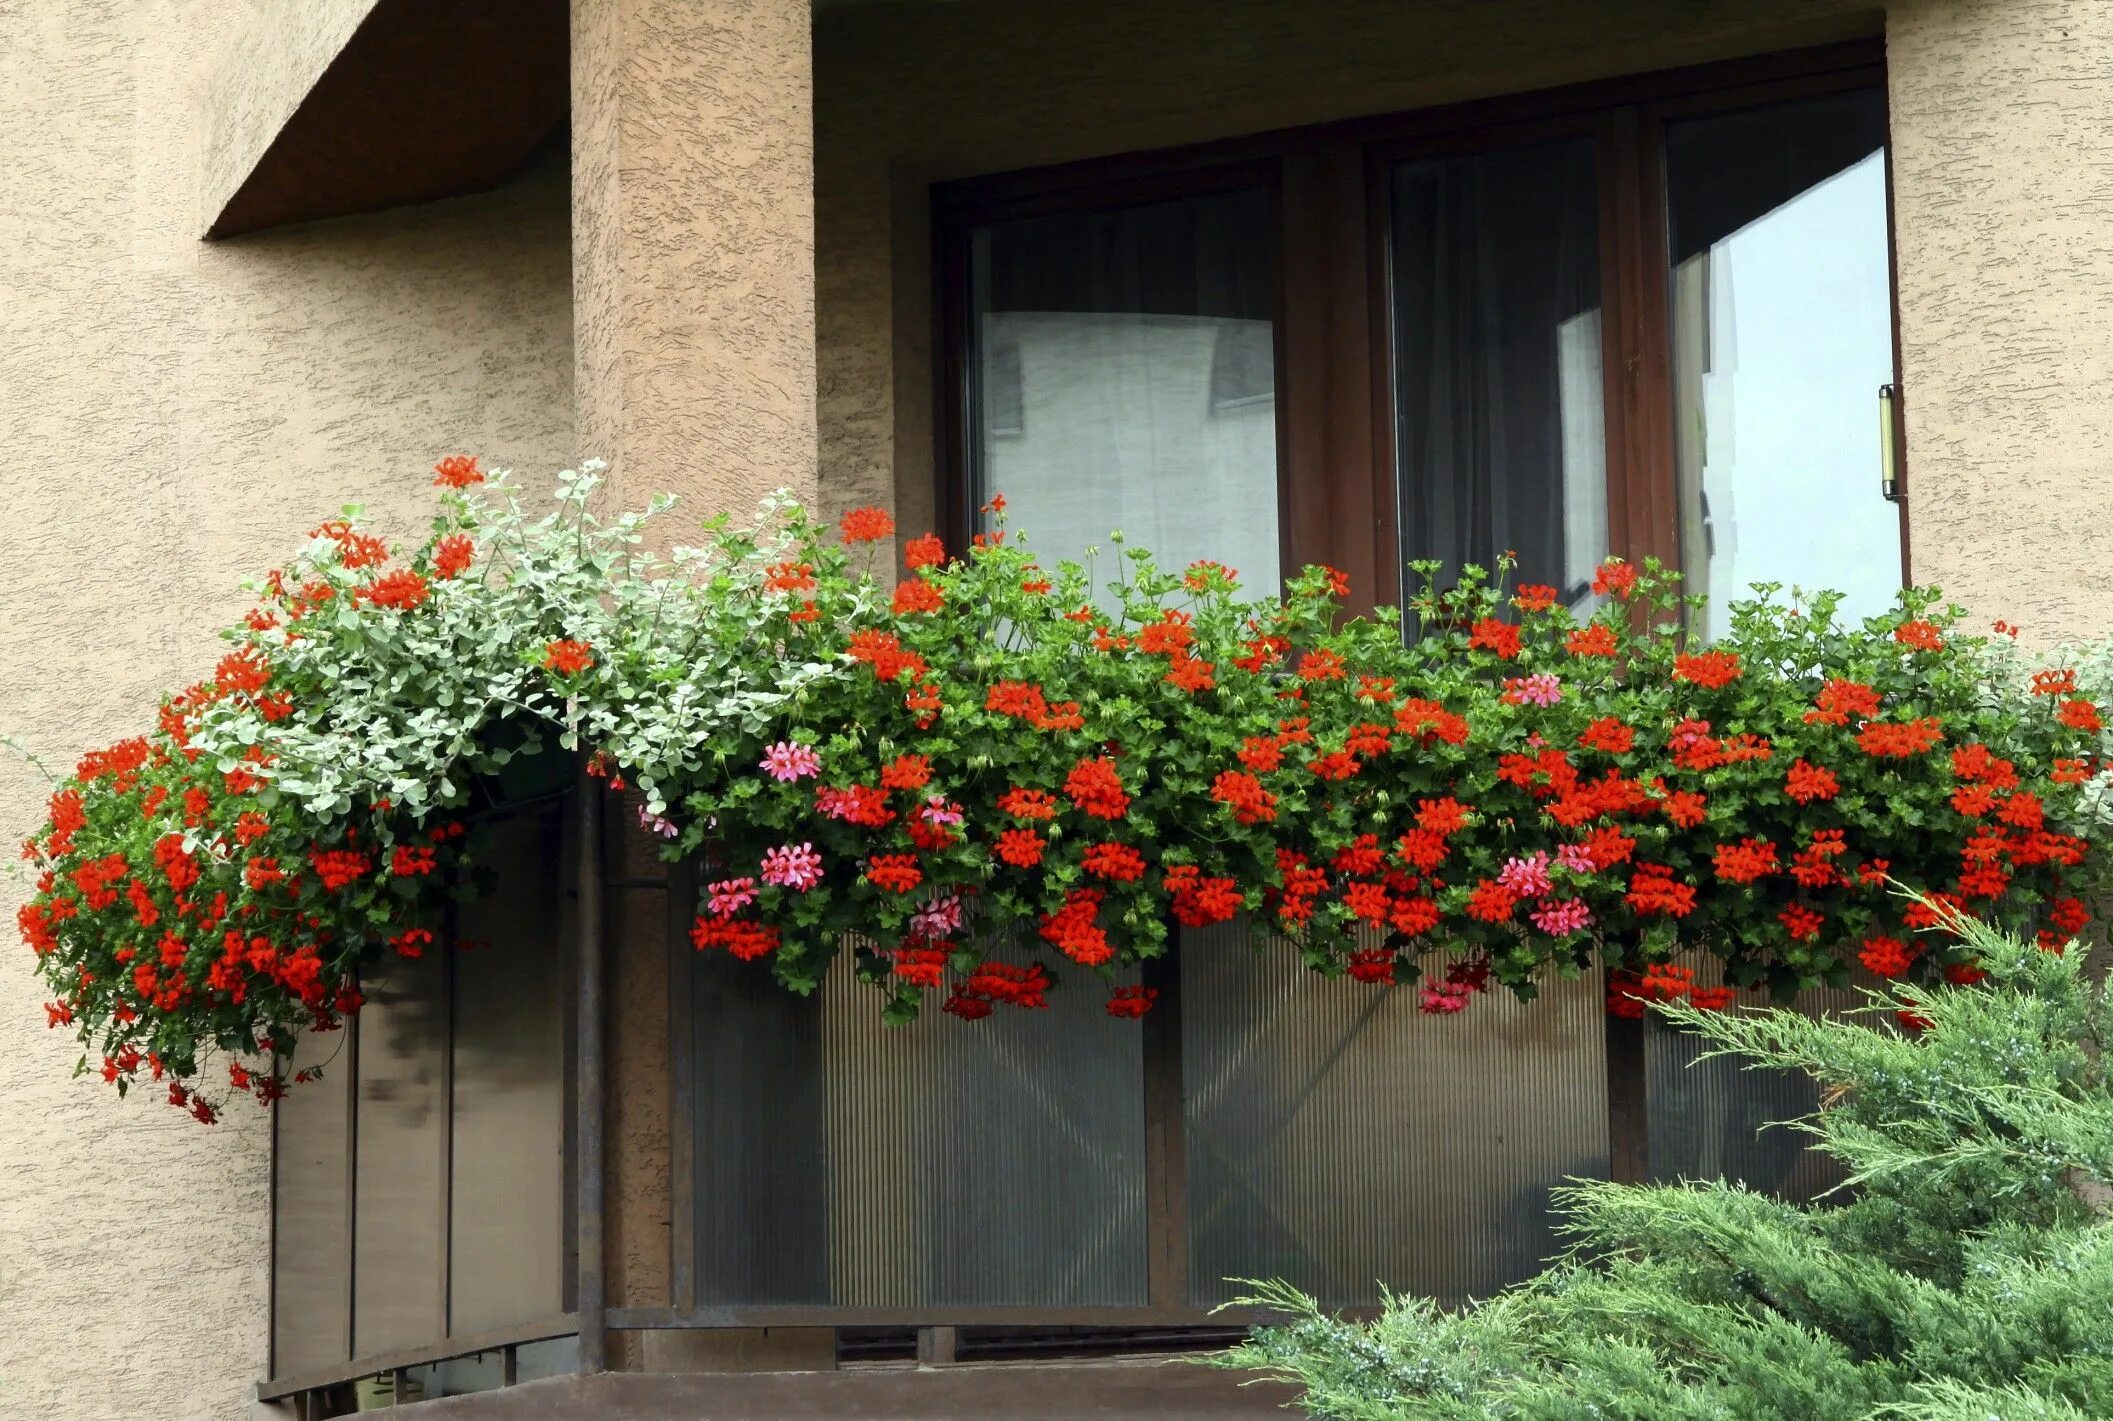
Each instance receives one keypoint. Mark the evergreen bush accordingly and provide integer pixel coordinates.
(1964, 1271)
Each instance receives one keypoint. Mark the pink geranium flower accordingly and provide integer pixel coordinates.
(729, 896)
(1562, 917)
(1526, 877)
(794, 866)
(1538, 690)
(789, 760)
(940, 918)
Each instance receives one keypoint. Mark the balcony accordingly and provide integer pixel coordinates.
(566, 1141)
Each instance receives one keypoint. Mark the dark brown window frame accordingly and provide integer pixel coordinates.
(1335, 456)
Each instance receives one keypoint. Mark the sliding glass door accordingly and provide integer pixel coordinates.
(1782, 335)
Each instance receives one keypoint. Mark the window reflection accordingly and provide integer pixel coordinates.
(1782, 335)
(1125, 379)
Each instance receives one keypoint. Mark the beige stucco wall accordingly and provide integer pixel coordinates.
(2003, 203)
(175, 415)
(693, 162)
(2003, 114)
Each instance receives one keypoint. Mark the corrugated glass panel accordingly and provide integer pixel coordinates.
(1711, 1119)
(401, 1140)
(506, 1233)
(1340, 1140)
(947, 1162)
(311, 1236)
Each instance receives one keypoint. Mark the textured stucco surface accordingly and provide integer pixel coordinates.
(693, 183)
(177, 415)
(271, 57)
(2003, 201)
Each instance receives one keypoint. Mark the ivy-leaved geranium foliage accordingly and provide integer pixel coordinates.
(981, 771)
(1965, 1272)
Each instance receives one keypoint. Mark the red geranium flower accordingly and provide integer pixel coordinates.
(1747, 861)
(1886, 956)
(906, 772)
(2079, 714)
(1097, 789)
(399, 591)
(1711, 670)
(1607, 735)
(926, 551)
(1886, 740)
(457, 471)
(1131, 1002)
(1022, 848)
(453, 554)
(1499, 638)
(1244, 795)
(898, 873)
(1614, 577)
(867, 525)
(1491, 902)
(1806, 783)
(1117, 862)
(914, 595)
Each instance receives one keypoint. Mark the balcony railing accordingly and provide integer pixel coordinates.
(567, 1082)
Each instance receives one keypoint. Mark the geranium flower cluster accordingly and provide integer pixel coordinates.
(989, 779)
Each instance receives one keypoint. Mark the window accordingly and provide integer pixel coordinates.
(1499, 423)
(1647, 318)
(1123, 377)
(1650, 317)
(1782, 325)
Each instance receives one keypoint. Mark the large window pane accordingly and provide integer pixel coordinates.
(1124, 377)
(1500, 429)
(1782, 335)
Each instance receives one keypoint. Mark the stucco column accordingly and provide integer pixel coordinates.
(693, 247)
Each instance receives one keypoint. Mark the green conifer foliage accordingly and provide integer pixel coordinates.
(1964, 1274)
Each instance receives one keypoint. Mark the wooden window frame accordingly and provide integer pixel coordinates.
(1336, 478)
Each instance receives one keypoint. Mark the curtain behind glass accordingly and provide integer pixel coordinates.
(1500, 435)
(1124, 378)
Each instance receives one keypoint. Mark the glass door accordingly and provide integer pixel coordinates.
(1782, 335)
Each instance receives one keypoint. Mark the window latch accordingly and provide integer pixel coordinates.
(1889, 482)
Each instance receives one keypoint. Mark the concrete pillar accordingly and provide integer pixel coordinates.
(693, 248)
